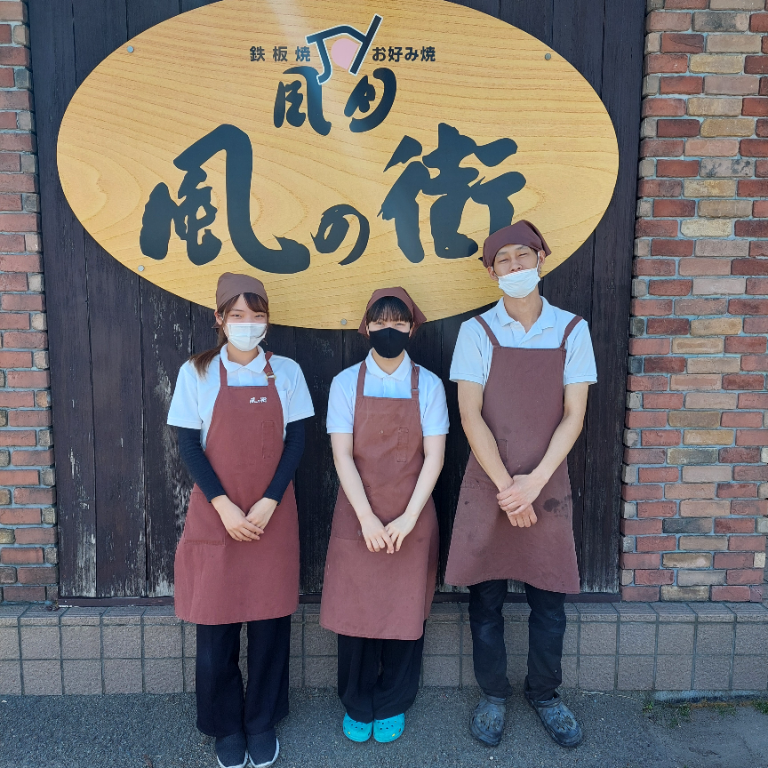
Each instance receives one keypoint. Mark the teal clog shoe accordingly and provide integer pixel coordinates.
(355, 731)
(390, 729)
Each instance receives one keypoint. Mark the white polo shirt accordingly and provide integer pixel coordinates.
(195, 395)
(472, 354)
(341, 399)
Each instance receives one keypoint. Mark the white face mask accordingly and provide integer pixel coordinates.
(246, 336)
(517, 285)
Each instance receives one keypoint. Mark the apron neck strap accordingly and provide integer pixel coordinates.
(414, 382)
(361, 380)
(568, 328)
(491, 335)
(267, 370)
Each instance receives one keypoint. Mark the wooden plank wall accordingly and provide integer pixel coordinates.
(116, 341)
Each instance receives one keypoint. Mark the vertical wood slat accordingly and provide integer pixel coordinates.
(53, 61)
(614, 240)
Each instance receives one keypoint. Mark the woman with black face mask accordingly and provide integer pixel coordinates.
(387, 419)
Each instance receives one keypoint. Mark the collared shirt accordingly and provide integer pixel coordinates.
(195, 395)
(341, 399)
(473, 351)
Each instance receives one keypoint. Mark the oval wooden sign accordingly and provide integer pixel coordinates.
(331, 148)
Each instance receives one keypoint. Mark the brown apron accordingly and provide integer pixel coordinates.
(522, 406)
(375, 594)
(219, 580)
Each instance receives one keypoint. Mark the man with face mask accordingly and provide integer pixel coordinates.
(523, 370)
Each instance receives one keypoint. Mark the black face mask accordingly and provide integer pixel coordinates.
(389, 342)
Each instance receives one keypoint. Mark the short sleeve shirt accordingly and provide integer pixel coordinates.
(195, 395)
(473, 351)
(377, 383)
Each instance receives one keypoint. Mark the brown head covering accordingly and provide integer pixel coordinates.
(231, 285)
(398, 293)
(520, 233)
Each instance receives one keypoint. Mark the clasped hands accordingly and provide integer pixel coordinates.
(241, 526)
(390, 537)
(517, 498)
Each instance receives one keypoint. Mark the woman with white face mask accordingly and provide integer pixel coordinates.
(239, 415)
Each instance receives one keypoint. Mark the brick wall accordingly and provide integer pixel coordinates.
(27, 521)
(696, 481)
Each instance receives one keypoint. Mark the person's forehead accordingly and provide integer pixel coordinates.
(511, 248)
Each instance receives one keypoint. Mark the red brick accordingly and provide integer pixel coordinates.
(632, 594)
(754, 148)
(25, 340)
(745, 344)
(633, 560)
(16, 399)
(35, 535)
(647, 383)
(681, 84)
(34, 496)
(29, 418)
(20, 263)
(645, 456)
(750, 576)
(672, 248)
(663, 207)
(675, 63)
(658, 474)
(654, 267)
(729, 525)
(677, 169)
(739, 455)
(654, 577)
(11, 282)
(21, 556)
(658, 543)
(23, 437)
(14, 320)
(738, 419)
(45, 574)
(659, 188)
(712, 147)
(635, 527)
(748, 306)
(761, 168)
(641, 492)
(752, 437)
(749, 267)
(736, 491)
(656, 307)
(752, 188)
(733, 560)
(663, 107)
(5, 34)
(743, 381)
(661, 148)
(9, 477)
(668, 327)
(670, 128)
(754, 363)
(666, 401)
(759, 248)
(16, 100)
(755, 65)
(18, 182)
(15, 359)
(761, 127)
(663, 21)
(746, 228)
(756, 325)
(757, 286)
(672, 42)
(654, 437)
(32, 458)
(746, 544)
(695, 5)
(19, 222)
(30, 302)
(754, 106)
(763, 90)
(759, 474)
(656, 509)
(637, 347)
(24, 594)
(664, 365)
(670, 287)
(17, 142)
(20, 516)
(698, 307)
(640, 419)
(28, 379)
(749, 507)
(731, 594)
(758, 22)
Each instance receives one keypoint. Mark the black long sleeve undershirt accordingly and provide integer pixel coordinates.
(200, 468)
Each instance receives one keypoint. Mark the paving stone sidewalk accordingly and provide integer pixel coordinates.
(144, 731)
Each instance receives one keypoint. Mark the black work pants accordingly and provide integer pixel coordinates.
(378, 678)
(546, 628)
(221, 707)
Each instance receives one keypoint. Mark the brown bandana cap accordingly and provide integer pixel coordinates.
(399, 293)
(520, 233)
(231, 285)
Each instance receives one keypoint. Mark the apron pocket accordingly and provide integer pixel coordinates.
(267, 439)
(402, 445)
(203, 524)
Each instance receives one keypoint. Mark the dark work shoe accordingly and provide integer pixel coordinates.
(263, 749)
(230, 751)
(487, 722)
(559, 721)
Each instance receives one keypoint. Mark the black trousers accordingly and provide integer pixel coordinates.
(221, 707)
(378, 678)
(546, 628)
